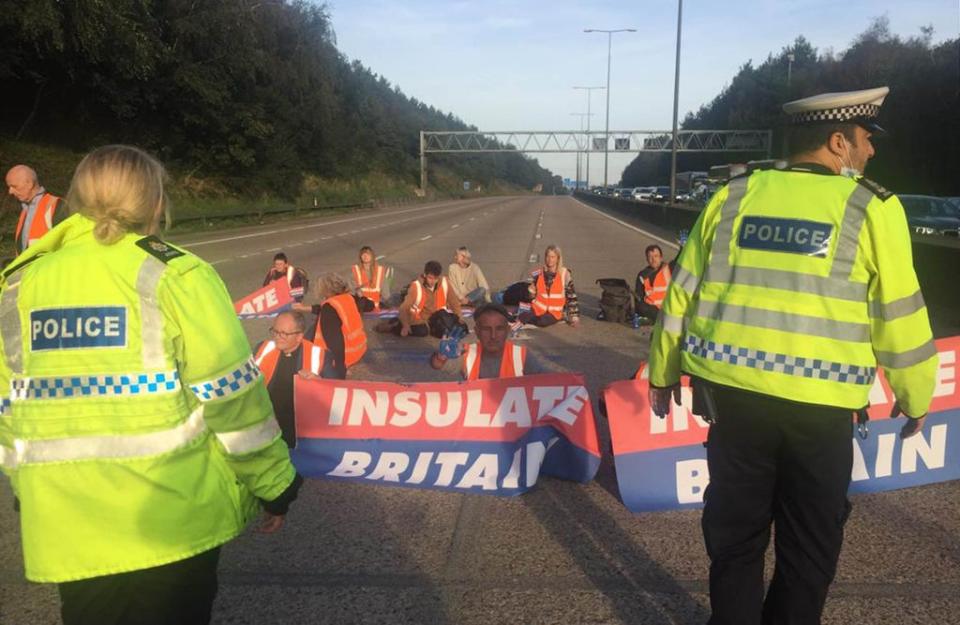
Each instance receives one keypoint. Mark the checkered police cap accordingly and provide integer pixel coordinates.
(860, 107)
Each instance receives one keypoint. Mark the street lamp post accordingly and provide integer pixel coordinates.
(581, 116)
(589, 90)
(606, 134)
(676, 98)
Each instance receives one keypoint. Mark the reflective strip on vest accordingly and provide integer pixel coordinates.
(656, 290)
(419, 300)
(547, 300)
(110, 447)
(249, 439)
(10, 328)
(511, 361)
(268, 347)
(224, 386)
(784, 321)
(470, 360)
(902, 360)
(316, 359)
(81, 386)
(836, 285)
(516, 352)
(779, 363)
(151, 319)
(902, 307)
(671, 323)
(686, 280)
(370, 290)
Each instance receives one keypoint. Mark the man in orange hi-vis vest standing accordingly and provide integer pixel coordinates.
(38, 209)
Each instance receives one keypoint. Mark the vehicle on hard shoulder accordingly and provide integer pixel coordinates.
(927, 214)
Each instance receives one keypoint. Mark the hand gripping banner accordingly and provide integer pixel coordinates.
(662, 463)
(269, 301)
(487, 436)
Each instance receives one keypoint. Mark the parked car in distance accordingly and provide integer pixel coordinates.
(660, 194)
(927, 214)
(643, 193)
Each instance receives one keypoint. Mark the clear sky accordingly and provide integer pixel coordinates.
(511, 64)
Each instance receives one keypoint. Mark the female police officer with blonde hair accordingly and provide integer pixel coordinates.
(138, 434)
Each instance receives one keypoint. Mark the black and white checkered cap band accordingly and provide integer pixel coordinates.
(838, 114)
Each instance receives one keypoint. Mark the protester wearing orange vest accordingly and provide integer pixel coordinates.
(492, 356)
(338, 328)
(371, 279)
(280, 359)
(296, 277)
(429, 302)
(552, 294)
(38, 212)
(652, 283)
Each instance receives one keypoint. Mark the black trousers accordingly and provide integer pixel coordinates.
(782, 463)
(541, 321)
(648, 311)
(180, 593)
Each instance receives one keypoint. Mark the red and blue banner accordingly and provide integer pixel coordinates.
(662, 463)
(269, 301)
(487, 436)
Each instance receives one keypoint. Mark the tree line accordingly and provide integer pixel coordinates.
(253, 93)
(921, 154)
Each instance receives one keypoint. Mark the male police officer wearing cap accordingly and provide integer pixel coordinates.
(793, 287)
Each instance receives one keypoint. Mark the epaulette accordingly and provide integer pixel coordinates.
(875, 188)
(163, 252)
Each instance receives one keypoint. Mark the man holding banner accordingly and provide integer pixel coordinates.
(794, 285)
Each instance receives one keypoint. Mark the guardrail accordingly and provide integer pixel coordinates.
(935, 258)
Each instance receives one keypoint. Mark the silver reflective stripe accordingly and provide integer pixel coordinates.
(784, 322)
(266, 349)
(470, 358)
(110, 447)
(686, 280)
(797, 283)
(250, 439)
(848, 240)
(720, 251)
(151, 319)
(8, 458)
(898, 307)
(671, 323)
(10, 327)
(316, 359)
(517, 353)
(902, 360)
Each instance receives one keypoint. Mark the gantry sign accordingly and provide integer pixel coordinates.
(573, 141)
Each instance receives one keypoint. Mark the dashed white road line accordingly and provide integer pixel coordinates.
(426, 237)
(381, 257)
(454, 226)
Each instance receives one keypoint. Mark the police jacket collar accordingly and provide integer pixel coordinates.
(812, 168)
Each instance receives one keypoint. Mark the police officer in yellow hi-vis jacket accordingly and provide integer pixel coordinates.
(138, 433)
(795, 285)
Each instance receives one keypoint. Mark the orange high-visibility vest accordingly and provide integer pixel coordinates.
(267, 356)
(655, 291)
(42, 220)
(370, 286)
(550, 300)
(440, 293)
(351, 324)
(511, 361)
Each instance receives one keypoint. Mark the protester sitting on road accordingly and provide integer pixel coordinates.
(338, 327)
(39, 211)
(282, 357)
(371, 279)
(551, 291)
(467, 279)
(492, 356)
(652, 283)
(429, 307)
(296, 277)
(160, 441)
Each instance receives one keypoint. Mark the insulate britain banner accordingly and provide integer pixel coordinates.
(662, 464)
(487, 436)
(268, 301)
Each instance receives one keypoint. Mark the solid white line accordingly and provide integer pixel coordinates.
(381, 257)
(274, 249)
(672, 244)
(454, 226)
(303, 227)
(426, 237)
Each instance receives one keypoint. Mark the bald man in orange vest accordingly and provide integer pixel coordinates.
(38, 209)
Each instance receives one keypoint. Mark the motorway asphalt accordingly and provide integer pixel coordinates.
(563, 553)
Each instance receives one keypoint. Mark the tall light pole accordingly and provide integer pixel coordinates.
(606, 134)
(676, 98)
(581, 116)
(589, 90)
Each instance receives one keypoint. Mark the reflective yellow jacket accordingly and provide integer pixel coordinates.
(798, 284)
(137, 431)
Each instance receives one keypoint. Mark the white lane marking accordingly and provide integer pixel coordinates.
(426, 237)
(274, 249)
(454, 226)
(672, 244)
(222, 260)
(533, 258)
(473, 219)
(381, 257)
(319, 225)
(326, 238)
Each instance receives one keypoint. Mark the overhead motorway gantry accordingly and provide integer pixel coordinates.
(574, 141)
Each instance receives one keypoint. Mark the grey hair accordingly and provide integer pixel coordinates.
(298, 319)
(462, 250)
(330, 284)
